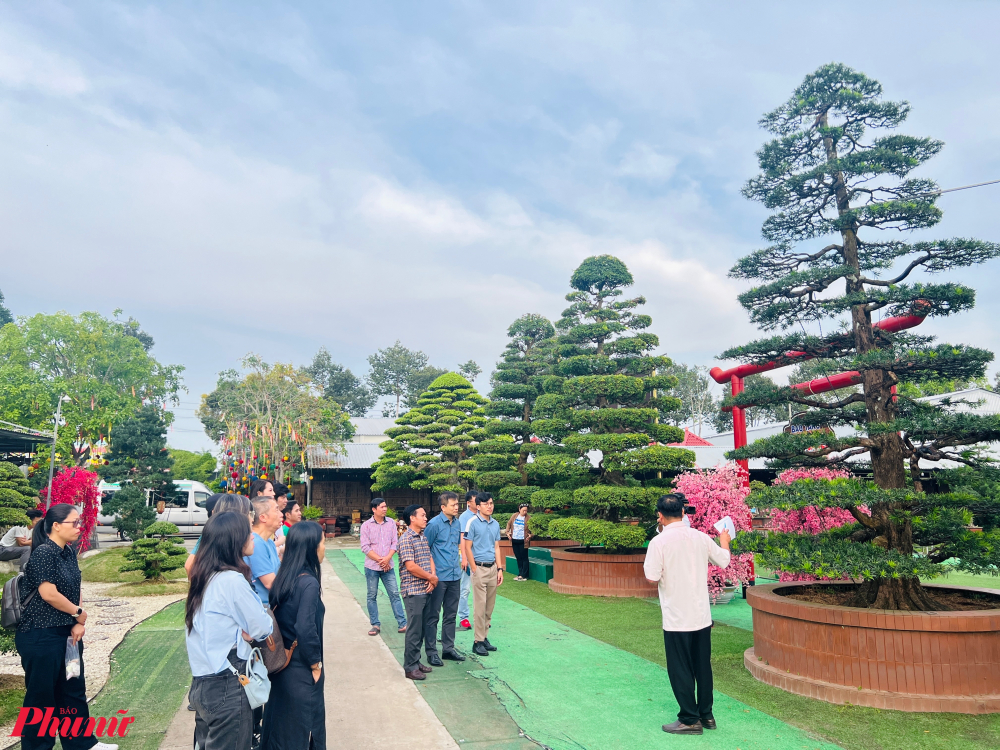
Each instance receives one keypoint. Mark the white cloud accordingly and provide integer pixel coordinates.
(24, 65)
(644, 162)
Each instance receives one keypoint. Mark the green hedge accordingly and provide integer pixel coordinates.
(552, 499)
(516, 494)
(591, 533)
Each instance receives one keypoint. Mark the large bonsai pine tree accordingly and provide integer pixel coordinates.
(837, 168)
(502, 461)
(605, 395)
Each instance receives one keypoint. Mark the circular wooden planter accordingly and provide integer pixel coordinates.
(575, 571)
(906, 661)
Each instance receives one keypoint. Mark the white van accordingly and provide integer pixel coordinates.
(185, 509)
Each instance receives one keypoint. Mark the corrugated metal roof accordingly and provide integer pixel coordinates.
(357, 456)
(977, 401)
(366, 426)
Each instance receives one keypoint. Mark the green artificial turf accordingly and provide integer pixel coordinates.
(634, 625)
(149, 677)
(568, 691)
(103, 568)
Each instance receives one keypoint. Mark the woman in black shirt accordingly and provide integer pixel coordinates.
(295, 715)
(52, 614)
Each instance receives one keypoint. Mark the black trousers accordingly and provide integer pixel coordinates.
(689, 667)
(223, 718)
(445, 594)
(522, 557)
(43, 657)
(416, 607)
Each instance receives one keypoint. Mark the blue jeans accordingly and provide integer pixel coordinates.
(463, 597)
(388, 578)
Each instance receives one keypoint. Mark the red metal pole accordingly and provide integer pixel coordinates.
(740, 428)
(891, 325)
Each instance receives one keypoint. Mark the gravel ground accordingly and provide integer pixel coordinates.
(108, 620)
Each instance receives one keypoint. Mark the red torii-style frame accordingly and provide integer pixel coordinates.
(734, 376)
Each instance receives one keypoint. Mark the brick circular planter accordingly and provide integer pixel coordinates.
(906, 661)
(577, 571)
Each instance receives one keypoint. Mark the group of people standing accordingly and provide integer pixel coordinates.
(256, 567)
(441, 561)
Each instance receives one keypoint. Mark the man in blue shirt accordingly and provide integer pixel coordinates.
(264, 561)
(444, 536)
(463, 597)
(482, 552)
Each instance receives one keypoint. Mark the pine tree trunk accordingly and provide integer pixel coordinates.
(887, 453)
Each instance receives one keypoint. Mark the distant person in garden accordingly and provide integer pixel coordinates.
(677, 562)
(463, 598)
(222, 610)
(16, 543)
(292, 515)
(417, 581)
(295, 718)
(209, 509)
(379, 542)
(520, 538)
(444, 537)
(53, 614)
(261, 487)
(264, 561)
(482, 551)
(281, 500)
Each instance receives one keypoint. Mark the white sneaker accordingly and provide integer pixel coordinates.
(104, 746)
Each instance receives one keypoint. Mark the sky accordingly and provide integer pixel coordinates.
(277, 177)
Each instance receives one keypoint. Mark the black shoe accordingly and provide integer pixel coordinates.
(709, 723)
(452, 656)
(435, 661)
(678, 728)
(479, 649)
(191, 708)
(489, 646)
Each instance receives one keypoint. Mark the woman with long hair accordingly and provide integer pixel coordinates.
(223, 613)
(53, 613)
(295, 718)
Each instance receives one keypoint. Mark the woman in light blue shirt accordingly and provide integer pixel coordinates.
(223, 612)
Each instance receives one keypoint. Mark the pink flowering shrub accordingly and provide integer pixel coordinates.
(809, 520)
(76, 486)
(717, 493)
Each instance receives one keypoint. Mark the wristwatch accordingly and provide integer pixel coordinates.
(79, 611)
(318, 665)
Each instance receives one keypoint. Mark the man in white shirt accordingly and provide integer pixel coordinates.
(16, 543)
(677, 562)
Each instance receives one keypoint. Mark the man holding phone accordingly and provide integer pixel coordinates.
(677, 562)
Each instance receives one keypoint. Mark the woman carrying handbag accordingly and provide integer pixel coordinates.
(223, 614)
(295, 717)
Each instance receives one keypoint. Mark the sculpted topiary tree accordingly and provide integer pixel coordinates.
(16, 496)
(159, 551)
(837, 169)
(432, 444)
(502, 460)
(603, 395)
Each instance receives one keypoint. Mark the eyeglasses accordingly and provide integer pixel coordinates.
(75, 524)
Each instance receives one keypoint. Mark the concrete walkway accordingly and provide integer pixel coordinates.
(369, 704)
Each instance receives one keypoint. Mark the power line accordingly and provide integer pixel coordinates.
(964, 187)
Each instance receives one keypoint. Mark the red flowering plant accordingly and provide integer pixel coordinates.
(76, 486)
(810, 519)
(717, 493)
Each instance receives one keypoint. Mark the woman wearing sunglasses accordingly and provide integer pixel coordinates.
(53, 613)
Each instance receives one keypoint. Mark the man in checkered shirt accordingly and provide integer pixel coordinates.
(417, 580)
